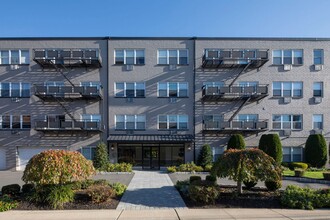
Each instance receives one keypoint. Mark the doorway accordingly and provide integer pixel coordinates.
(150, 157)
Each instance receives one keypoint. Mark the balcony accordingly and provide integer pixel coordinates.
(231, 93)
(53, 93)
(234, 58)
(68, 125)
(63, 58)
(231, 127)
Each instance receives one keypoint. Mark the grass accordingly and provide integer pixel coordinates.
(308, 174)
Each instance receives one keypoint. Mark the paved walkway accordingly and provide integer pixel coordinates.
(170, 214)
(151, 190)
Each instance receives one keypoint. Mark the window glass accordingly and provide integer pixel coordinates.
(183, 122)
(130, 121)
(286, 89)
(119, 54)
(183, 57)
(297, 57)
(4, 57)
(25, 89)
(15, 90)
(130, 90)
(277, 57)
(26, 119)
(5, 87)
(140, 122)
(16, 121)
(318, 89)
(297, 89)
(6, 121)
(183, 89)
(25, 57)
(140, 57)
(120, 90)
(162, 56)
(318, 56)
(277, 89)
(173, 57)
(317, 121)
(120, 121)
(129, 56)
(162, 122)
(172, 121)
(173, 92)
(14, 59)
(162, 89)
(140, 90)
(287, 57)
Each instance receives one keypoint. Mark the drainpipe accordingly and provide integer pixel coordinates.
(194, 96)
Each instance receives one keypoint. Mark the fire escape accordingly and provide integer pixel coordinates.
(62, 60)
(239, 62)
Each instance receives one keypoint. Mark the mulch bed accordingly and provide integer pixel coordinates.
(254, 198)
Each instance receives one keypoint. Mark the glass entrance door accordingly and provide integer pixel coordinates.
(150, 157)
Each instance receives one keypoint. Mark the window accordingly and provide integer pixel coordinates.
(15, 90)
(172, 57)
(91, 84)
(245, 117)
(213, 84)
(292, 154)
(318, 89)
(15, 121)
(287, 89)
(173, 89)
(129, 56)
(88, 152)
(91, 117)
(318, 122)
(14, 57)
(281, 57)
(179, 122)
(135, 89)
(130, 122)
(318, 56)
(290, 122)
(216, 151)
(212, 122)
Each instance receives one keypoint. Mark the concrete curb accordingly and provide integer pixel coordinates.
(306, 180)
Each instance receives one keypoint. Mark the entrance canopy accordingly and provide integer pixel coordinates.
(150, 138)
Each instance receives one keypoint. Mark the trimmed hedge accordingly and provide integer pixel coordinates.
(271, 145)
(298, 165)
(236, 141)
(12, 189)
(316, 150)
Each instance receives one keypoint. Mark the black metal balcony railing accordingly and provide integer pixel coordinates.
(235, 126)
(232, 92)
(68, 125)
(59, 58)
(231, 58)
(68, 92)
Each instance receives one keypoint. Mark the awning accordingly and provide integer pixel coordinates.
(150, 138)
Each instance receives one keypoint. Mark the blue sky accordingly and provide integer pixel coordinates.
(154, 18)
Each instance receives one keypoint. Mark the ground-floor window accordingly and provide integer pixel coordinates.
(161, 154)
(88, 152)
(292, 154)
(217, 151)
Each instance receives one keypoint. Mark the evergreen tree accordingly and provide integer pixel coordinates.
(271, 145)
(236, 141)
(100, 159)
(205, 156)
(316, 150)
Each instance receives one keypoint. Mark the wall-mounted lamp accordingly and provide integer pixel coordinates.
(189, 147)
(112, 147)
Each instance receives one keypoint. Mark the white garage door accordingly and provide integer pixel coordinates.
(25, 154)
(2, 159)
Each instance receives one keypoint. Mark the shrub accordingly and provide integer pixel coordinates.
(100, 159)
(12, 189)
(86, 183)
(305, 198)
(246, 165)
(182, 186)
(101, 182)
(273, 185)
(205, 156)
(7, 203)
(299, 165)
(208, 167)
(203, 194)
(118, 167)
(28, 188)
(194, 179)
(171, 169)
(190, 167)
(271, 145)
(53, 195)
(326, 175)
(211, 179)
(316, 150)
(57, 167)
(99, 193)
(285, 164)
(119, 188)
(250, 184)
(236, 141)
(299, 172)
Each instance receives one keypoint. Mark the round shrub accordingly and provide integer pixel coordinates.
(119, 188)
(100, 193)
(171, 169)
(249, 184)
(203, 194)
(271, 145)
(28, 188)
(212, 179)
(194, 179)
(12, 189)
(316, 150)
(273, 185)
(57, 167)
(205, 156)
(299, 172)
(236, 141)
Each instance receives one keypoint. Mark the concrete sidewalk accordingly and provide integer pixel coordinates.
(170, 214)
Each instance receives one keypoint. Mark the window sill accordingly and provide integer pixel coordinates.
(125, 97)
(129, 64)
(177, 97)
(129, 129)
(173, 129)
(287, 64)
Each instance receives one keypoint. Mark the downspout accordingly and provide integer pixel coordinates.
(194, 96)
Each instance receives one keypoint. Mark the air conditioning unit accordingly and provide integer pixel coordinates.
(317, 100)
(14, 67)
(286, 132)
(318, 67)
(317, 131)
(15, 99)
(286, 100)
(287, 67)
(129, 67)
(129, 99)
(172, 67)
(173, 100)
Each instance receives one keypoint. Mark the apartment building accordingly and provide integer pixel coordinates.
(156, 101)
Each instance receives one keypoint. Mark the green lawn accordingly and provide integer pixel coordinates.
(309, 174)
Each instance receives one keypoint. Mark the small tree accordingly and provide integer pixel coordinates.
(236, 141)
(205, 156)
(57, 167)
(316, 150)
(100, 159)
(246, 165)
(271, 145)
